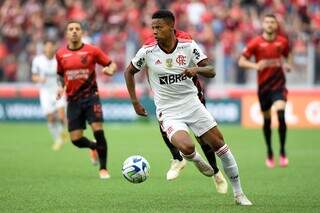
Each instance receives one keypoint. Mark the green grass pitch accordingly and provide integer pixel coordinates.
(33, 178)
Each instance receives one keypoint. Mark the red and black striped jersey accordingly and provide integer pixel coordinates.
(77, 67)
(272, 77)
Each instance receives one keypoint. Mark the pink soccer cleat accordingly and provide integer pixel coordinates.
(283, 161)
(270, 163)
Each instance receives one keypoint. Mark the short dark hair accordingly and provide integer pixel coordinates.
(270, 15)
(74, 21)
(49, 41)
(164, 14)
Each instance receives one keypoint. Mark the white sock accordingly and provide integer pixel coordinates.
(230, 168)
(192, 157)
(55, 131)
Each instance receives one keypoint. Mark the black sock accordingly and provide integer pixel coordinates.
(174, 151)
(84, 143)
(210, 155)
(282, 131)
(102, 148)
(267, 135)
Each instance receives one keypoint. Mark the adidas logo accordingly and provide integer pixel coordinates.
(158, 62)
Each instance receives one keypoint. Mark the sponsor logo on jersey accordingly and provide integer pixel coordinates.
(157, 62)
(77, 74)
(171, 79)
(169, 62)
(181, 60)
(140, 62)
(196, 53)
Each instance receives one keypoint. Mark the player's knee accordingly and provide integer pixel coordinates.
(187, 149)
(78, 143)
(281, 119)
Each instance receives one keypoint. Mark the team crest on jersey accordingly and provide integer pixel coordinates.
(84, 59)
(169, 62)
(181, 60)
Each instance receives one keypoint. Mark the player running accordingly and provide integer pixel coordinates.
(178, 162)
(76, 70)
(44, 73)
(269, 50)
(171, 65)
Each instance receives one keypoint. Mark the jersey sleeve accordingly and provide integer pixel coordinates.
(249, 50)
(59, 66)
(139, 60)
(102, 58)
(34, 66)
(197, 54)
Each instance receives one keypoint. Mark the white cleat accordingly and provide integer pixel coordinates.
(220, 183)
(175, 168)
(204, 168)
(242, 200)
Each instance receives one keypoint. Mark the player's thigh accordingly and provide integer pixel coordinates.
(75, 116)
(265, 102)
(200, 121)
(96, 126)
(214, 138)
(279, 99)
(76, 134)
(279, 105)
(93, 113)
(182, 140)
(46, 102)
(267, 113)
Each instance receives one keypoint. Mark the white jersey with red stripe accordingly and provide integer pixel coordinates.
(173, 91)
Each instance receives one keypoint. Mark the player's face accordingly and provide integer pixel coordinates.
(74, 32)
(161, 29)
(49, 49)
(269, 25)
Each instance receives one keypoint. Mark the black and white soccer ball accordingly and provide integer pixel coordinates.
(135, 169)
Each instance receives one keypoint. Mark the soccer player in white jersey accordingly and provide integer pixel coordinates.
(170, 70)
(44, 73)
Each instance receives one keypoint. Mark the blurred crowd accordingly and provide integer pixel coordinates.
(119, 27)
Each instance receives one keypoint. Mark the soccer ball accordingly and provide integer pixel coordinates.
(135, 169)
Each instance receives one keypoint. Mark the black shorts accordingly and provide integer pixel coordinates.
(267, 99)
(87, 109)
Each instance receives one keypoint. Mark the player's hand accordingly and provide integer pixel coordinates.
(287, 67)
(59, 93)
(140, 110)
(190, 72)
(262, 64)
(110, 70)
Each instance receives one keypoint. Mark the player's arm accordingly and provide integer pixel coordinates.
(129, 77)
(109, 67)
(36, 78)
(60, 79)
(204, 69)
(244, 60)
(288, 63)
(61, 86)
(247, 64)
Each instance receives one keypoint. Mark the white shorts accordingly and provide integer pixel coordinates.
(48, 101)
(199, 121)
